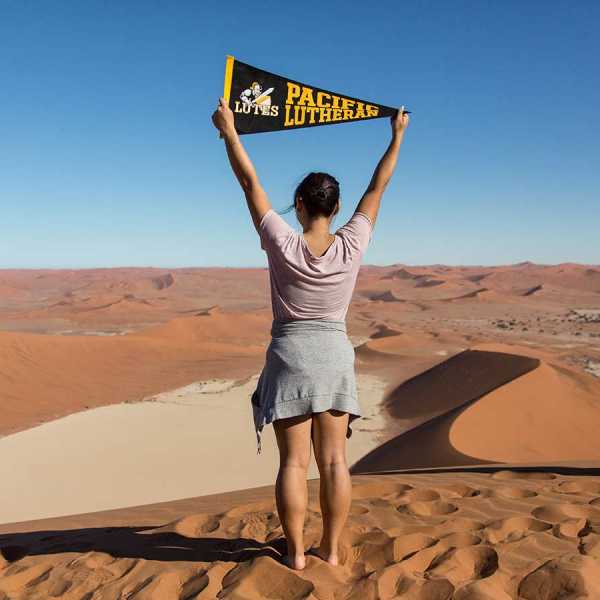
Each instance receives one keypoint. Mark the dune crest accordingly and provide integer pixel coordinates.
(387, 296)
(483, 407)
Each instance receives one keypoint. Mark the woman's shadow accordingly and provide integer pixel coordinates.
(137, 542)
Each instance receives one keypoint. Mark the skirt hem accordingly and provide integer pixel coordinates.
(307, 406)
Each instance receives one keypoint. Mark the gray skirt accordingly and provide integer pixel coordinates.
(309, 368)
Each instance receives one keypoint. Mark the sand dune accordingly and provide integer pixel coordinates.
(426, 282)
(464, 536)
(513, 279)
(46, 377)
(533, 290)
(387, 296)
(478, 294)
(519, 395)
(384, 331)
(189, 441)
(54, 300)
(488, 407)
(528, 275)
(401, 274)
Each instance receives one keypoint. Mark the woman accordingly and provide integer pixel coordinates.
(307, 388)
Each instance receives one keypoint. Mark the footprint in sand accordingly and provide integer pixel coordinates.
(557, 513)
(379, 490)
(457, 565)
(571, 529)
(405, 546)
(458, 525)
(461, 491)
(476, 562)
(514, 528)
(582, 486)
(513, 492)
(423, 495)
(552, 580)
(428, 509)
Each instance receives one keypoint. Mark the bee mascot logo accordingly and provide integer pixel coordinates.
(254, 100)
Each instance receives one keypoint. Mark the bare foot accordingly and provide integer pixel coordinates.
(332, 559)
(295, 562)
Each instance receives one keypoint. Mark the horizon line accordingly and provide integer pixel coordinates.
(250, 267)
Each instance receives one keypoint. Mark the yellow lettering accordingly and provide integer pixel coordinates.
(299, 115)
(325, 115)
(336, 101)
(347, 103)
(311, 111)
(347, 114)
(288, 122)
(293, 92)
(372, 111)
(360, 111)
(306, 97)
(321, 99)
(337, 114)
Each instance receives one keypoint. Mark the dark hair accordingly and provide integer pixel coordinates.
(320, 193)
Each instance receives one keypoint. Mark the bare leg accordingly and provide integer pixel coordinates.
(335, 492)
(291, 491)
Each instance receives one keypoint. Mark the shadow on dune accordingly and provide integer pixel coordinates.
(134, 542)
(437, 397)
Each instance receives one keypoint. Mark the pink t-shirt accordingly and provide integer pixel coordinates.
(304, 286)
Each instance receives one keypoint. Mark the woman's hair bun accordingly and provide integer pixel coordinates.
(320, 193)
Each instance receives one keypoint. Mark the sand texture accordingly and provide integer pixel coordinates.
(526, 535)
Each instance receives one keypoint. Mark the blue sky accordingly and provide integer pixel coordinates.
(108, 156)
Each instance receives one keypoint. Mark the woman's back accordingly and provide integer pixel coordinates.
(305, 286)
(307, 387)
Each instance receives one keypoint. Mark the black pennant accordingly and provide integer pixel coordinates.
(262, 101)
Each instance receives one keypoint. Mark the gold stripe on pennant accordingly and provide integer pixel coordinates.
(228, 77)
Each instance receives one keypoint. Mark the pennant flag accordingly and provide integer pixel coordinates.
(262, 101)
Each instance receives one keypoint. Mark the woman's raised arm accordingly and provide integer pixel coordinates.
(258, 202)
(369, 203)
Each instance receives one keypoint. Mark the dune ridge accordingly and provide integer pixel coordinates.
(482, 406)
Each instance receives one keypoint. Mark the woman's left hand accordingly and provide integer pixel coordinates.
(223, 117)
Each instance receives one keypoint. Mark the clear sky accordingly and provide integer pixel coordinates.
(108, 156)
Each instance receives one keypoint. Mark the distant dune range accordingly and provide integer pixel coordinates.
(66, 299)
(122, 334)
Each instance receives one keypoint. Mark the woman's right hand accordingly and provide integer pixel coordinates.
(400, 122)
(222, 118)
